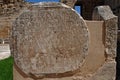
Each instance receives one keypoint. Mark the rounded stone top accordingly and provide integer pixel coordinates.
(50, 40)
(103, 13)
(49, 4)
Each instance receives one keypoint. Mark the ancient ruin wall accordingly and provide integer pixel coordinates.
(9, 9)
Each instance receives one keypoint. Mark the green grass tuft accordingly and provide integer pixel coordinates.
(6, 69)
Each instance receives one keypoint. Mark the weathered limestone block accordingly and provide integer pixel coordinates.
(49, 39)
(70, 3)
(111, 21)
(106, 72)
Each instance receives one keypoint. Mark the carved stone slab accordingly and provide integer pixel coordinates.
(49, 38)
(111, 27)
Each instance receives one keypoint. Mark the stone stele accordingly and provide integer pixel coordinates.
(49, 38)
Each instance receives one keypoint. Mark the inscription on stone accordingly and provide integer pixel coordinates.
(49, 38)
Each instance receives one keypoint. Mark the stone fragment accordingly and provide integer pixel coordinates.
(70, 3)
(106, 72)
(111, 21)
(49, 39)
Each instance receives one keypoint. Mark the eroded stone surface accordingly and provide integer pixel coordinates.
(111, 21)
(106, 72)
(49, 38)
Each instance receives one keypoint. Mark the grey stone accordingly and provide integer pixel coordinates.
(49, 39)
(111, 21)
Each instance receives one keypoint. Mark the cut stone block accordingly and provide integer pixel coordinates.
(111, 27)
(49, 39)
(96, 57)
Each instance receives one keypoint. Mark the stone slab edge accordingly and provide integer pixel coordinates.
(111, 27)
